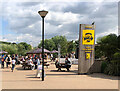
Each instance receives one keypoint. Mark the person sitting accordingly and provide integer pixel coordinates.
(58, 65)
(67, 63)
(30, 62)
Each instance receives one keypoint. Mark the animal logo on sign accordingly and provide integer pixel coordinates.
(88, 37)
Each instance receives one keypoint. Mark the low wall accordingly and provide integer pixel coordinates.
(96, 67)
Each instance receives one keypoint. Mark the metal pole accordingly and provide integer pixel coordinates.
(42, 48)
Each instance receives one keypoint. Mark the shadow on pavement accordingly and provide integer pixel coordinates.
(103, 76)
(31, 77)
(72, 71)
(20, 68)
(62, 72)
(57, 71)
(59, 74)
(94, 75)
(6, 71)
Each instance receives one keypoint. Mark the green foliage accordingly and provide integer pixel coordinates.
(70, 47)
(113, 68)
(23, 47)
(26, 46)
(117, 56)
(62, 41)
(98, 52)
(52, 44)
(103, 66)
(107, 46)
(13, 48)
(66, 46)
(48, 44)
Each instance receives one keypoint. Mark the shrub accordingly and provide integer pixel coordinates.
(103, 66)
(113, 68)
(117, 56)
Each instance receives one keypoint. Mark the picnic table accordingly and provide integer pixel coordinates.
(24, 65)
(62, 65)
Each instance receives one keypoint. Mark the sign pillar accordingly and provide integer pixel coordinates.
(86, 48)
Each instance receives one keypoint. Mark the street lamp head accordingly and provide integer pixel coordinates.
(43, 13)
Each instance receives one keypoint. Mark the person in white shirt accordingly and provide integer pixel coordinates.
(30, 62)
(13, 63)
(39, 68)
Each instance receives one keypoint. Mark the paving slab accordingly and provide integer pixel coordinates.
(25, 79)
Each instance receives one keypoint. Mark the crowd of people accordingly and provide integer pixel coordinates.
(9, 60)
(13, 60)
(33, 61)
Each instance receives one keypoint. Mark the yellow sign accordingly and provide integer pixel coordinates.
(88, 37)
(87, 55)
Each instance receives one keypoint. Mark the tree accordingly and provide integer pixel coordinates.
(71, 46)
(48, 44)
(107, 45)
(62, 41)
(26, 46)
(23, 47)
(52, 44)
(11, 49)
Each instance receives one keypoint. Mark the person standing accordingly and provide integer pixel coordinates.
(8, 60)
(35, 62)
(39, 68)
(13, 63)
(16, 59)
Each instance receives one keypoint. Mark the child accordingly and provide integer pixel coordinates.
(13, 63)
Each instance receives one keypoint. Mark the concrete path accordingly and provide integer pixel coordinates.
(25, 79)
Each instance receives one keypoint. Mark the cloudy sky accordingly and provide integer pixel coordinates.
(20, 21)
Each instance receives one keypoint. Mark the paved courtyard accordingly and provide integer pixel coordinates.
(25, 79)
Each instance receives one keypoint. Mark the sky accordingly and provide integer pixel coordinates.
(20, 21)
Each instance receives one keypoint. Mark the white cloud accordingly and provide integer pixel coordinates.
(30, 39)
(63, 19)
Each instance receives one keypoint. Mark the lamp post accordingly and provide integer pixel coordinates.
(43, 13)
